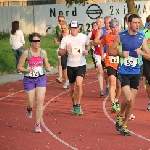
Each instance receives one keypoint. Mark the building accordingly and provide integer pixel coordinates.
(43, 2)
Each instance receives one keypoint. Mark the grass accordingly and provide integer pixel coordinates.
(7, 58)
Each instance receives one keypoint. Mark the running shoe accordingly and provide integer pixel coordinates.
(124, 131)
(19, 72)
(117, 106)
(74, 110)
(101, 94)
(65, 86)
(37, 128)
(132, 117)
(107, 91)
(113, 107)
(59, 79)
(79, 110)
(119, 122)
(29, 113)
(148, 107)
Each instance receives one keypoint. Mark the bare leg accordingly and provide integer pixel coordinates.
(40, 96)
(100, 77)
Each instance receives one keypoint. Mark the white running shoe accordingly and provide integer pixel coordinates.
(132, 117)
(65, 86)
(37, 128)
(59, 79)
(19, 72)
(29, 114)
(148, 107)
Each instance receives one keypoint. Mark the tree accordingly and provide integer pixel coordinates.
(133, 9)
(130, 5)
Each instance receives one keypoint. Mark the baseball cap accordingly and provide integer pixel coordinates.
(114, 23)
(74, 24)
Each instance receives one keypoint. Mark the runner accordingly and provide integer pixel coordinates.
(32, 63)
(132, 116)
(76, 45)
(91, 38)
(129, 68)
(64, 31)
(146, 63)
(111, 64)
(61, 18)
(97, 41)
(97, 55)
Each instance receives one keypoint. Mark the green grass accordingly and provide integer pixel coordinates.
(7, 58)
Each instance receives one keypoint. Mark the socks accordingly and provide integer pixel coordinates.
(116, 100)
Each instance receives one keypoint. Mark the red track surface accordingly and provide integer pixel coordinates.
(95, 130)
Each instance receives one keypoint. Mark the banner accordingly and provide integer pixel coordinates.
(46, 16)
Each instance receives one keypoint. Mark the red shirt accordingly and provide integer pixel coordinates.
(97, 50)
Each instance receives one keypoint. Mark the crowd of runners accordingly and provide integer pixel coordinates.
(121, 59)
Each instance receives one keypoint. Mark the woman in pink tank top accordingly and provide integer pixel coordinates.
(34, 63)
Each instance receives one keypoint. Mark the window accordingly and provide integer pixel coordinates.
(41, 2)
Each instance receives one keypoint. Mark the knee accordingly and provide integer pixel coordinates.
(78, 86)
(129, 100)
(40, 103)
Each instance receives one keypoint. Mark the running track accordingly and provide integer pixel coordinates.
(95, 130)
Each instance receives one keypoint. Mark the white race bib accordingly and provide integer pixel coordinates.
(76, 49)
(130, 61)
(38, 71)
(114, 59)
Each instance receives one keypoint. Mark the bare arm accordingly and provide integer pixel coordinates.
(97, 40)
(57, 39)
(111, 51)
(20, 66)
(46, 63)
(145, 52)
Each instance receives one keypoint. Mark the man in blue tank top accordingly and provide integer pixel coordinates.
(133, 44)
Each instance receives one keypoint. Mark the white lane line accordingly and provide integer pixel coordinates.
(48, 130)
(105, 112)
(16, 93)
(11, 94)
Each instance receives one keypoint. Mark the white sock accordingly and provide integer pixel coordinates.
(116, 100)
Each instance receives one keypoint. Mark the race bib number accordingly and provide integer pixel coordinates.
(38, 71)
(130, 61)
(114, 59)
(76, 49)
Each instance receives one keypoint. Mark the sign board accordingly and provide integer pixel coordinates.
(46, 15)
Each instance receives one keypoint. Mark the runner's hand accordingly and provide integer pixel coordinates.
(138, 51)
(85, 53)
(124, 54)
(68, 47)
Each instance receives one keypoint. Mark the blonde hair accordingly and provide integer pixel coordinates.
(64, 23)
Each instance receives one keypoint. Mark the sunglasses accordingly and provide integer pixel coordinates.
(35, 41)
(60, 20)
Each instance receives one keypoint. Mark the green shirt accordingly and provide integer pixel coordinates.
(147, 35)
(57, 30)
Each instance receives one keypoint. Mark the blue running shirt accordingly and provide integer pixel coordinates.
(130, 65)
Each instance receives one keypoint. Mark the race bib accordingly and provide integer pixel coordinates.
(76, 49)
(38, 71)
(114, 59)
(130, 61)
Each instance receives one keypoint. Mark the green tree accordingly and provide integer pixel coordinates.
(130, 5)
